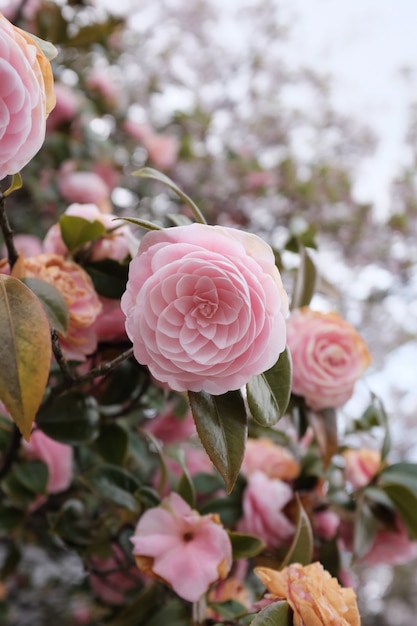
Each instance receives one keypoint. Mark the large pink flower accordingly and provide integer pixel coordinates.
(263, 501)
(26, 97)
(205, 307)
(328, 357)
(57, 456)
(187, 551)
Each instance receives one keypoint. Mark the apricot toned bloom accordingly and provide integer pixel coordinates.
(328, 357)
(273, 460)
(315, 597)
(361, 466)
(26, 97)
(205, 307)
(185, 550)
(82, 301)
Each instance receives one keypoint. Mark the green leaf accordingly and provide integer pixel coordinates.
(405, 503)
(301, 549)
(17, 183)
(72, 418)
(53, 303)
(112, 443)
(305, 281)
(109, 277)
(141, 609)
(269, 393)
(245, 546)
(77, 231)
(11, 517)
(174, 613)
(33, 475)
(400, 473)
(324, 425)
(149, 172)
(229, 609)
(222, 427)
(25, 352)
(275, 614)
(186, 488)
(141, 223)
(364, 530)
(114, 484)
(71, 523)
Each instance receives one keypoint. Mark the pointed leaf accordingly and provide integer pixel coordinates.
(77, 231)
(186, 488)
(405, 503)
(112, 443)
(52, 301)
(17, 183)
(33, 475)
(305, 281)
(245, 546)
(275, 614)
(364, 530)
(324, 424)
(269, 393)
(73, 419)
(221, 423)
(400, 473)
(149, 172)
(25, 353)
(115, 484)
(138, 222)
(301, 549)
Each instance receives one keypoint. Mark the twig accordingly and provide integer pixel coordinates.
(60, 359)
(7, 233)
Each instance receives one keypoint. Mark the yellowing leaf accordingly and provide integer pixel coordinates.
(25, 352)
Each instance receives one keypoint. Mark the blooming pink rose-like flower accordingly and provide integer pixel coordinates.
(263, 501)
(273, 460)
(205, 307)
(328, 357)
(361, 466)
(185, 550)
(114, 245)
(26, 97)
(57, 456)
(162, 149)
(83, 187)
(82, 301)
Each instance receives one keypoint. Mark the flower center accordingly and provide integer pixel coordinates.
(188, 536)
(204, 308)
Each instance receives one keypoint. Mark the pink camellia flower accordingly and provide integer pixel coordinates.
(328, 357)
(26, 97)
(57, 456)
(28, 245)
(273, 460)
(326, 524)
(205, 307)
(187, 551)
(109, 326)
(171, 428)
(361, 466)
(67, 105)
(83, 187)
(162, 150)
(391, 547)
(263, 501)
(114, 245)
(82, 301)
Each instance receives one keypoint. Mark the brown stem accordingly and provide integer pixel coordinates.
(60, 359)
(7, 233)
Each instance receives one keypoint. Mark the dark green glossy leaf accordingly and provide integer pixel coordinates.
(305, 281)
(221, 423)
(405, 503)
(142, 607)
(186, 488)
(173, 613)
(115, 484)
(71, 523)
(275, 614)
(77, 231)
(33, 475)
(400, 473)
(364, 529)
(229, 609)
(11, 517)
(53, 303)
(301, 549)
(109, 277)
(141, 223)
(269, 393)
(72, 418)
(245, 546)
(112, 443)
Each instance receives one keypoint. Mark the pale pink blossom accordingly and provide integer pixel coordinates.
(83, 187)
(26, 97)
(162, 150)
(361, 466)
(273, 460)
(137, 130)
(326, 524)
(171, 428)
(82, 301)
(109, 326)
(263, 501)
(391, 547)
(328, 357)
(27, 245)
(67, 105)
(115, 244)
(102, 81)
(205, 307)
(57, 456)
(187, 551)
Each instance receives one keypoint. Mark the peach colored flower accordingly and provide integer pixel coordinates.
(185, 550)
(82, 301)
(273, 460)
(315, 597)
(361, 466)
(205, 307)
(230, 589)
(57, 456)
(26, 97)
(263, 501)
(328, 357)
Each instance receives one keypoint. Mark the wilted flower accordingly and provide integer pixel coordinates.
(205, 307)
(185, 550)
(328, 357)
(315, 597)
